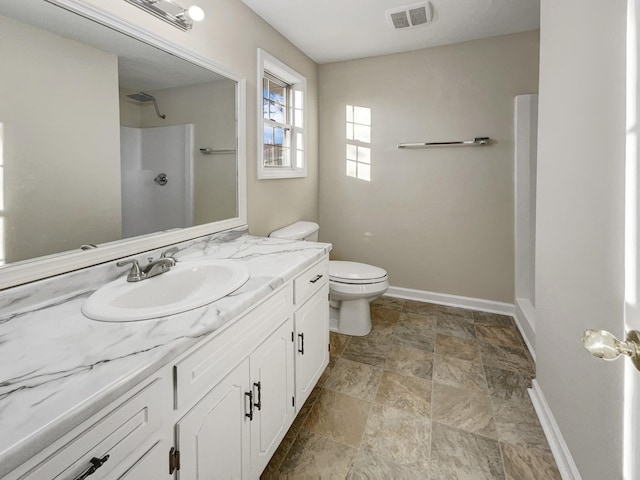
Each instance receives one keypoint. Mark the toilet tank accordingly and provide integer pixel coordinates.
(298, 231)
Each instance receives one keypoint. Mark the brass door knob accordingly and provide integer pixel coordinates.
(605, 345)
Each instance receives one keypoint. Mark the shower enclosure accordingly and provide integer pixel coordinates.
(157, 179)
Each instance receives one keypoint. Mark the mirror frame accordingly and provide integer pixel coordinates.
(39, 268)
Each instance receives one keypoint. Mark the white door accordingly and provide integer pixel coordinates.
(214, 436)
(272, 382)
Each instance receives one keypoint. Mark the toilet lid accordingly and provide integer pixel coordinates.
(353, 272)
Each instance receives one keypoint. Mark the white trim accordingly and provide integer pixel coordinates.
(274, 66)
(43, 267)
(525, 317)
(452, 300)
(559, 448)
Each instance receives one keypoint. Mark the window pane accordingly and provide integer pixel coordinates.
(278, 136)
(352, 152)
(362, 115)
(299, 141)
(265, 108)
(364, 155)
(277, 93)
(299, 118)
(298, 99)
(351, 168)
(364, 172)
(362, 133)
(265, 88)
(277, 113)
(268, 135)
(349, 131)
(267, 155)
(299, 158)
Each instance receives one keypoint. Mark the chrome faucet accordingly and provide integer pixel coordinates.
(151, 269)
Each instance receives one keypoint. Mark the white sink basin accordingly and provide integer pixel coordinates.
(188, 285)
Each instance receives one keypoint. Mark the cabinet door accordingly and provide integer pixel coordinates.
(312, 343)
(214, 436)
(153, 464)
(272, 382)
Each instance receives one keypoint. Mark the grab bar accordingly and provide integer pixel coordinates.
(477, 141)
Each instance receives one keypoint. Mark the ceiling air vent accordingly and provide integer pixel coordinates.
(410, 16)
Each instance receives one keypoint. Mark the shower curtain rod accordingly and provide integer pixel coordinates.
(477, 141)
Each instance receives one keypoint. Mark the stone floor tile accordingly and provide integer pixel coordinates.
(458, 455)
(504, 335)
(518, 424)
(457, 372)
(456, 327)
(355, 379)
(457, 347)
(526, 463)
(416, 331)
(493, 318)
(409, 361)
(315, 456)
(400, 436)
(507, 358)
(390, 302)
(369, 351)
(384, 314)
(368, 466)
(340, 417)
(338, 343)
(404, 392)
(507, 384)
(463, 408)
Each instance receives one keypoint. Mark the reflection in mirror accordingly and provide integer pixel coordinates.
(86, 156)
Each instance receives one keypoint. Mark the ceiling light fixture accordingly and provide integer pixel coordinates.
(171, 12)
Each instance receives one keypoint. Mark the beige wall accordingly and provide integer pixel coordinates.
(48, 134)
(580, 225)
(211, 108)
(438, 219)
(230, 36)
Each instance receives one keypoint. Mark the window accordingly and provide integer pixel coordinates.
(358, 142)
(281, 126)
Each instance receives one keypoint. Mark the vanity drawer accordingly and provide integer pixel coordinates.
(118, 433)
(198, 371)
(307, 283)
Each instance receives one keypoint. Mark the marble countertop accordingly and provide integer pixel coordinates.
(57, 367)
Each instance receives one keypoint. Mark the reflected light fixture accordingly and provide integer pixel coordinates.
(171, 12)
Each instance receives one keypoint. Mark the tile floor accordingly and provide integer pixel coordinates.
(433, 392)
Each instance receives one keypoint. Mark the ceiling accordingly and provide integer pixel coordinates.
(336, 30)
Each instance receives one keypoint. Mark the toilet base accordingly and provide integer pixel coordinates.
(353, 317)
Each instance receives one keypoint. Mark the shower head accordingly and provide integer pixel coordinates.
(144, 97)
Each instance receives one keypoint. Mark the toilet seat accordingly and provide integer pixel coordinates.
(354, 273)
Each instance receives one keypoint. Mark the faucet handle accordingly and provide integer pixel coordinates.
(169, 253)
(135, 274)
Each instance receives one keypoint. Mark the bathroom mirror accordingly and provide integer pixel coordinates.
(109, 145)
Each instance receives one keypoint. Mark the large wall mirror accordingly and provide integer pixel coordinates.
(108, 141)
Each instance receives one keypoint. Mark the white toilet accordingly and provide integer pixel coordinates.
(352, 286)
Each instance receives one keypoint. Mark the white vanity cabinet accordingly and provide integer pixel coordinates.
(219, 410)
(129, 431)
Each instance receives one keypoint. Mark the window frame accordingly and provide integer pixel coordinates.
(297, 94)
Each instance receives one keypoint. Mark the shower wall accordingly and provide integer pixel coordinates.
(147, 205)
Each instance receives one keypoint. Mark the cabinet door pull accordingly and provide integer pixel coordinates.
(250, 414)
(258, 404)
(301, 343)
(316, 278)
(96, 463)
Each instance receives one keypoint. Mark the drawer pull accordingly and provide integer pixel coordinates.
(250, 414)
(316, 278)
(96, 463)
(301, 343)
(258, 404)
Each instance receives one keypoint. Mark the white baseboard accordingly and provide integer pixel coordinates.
(452, 300)
(525, 317)
(559, 448)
